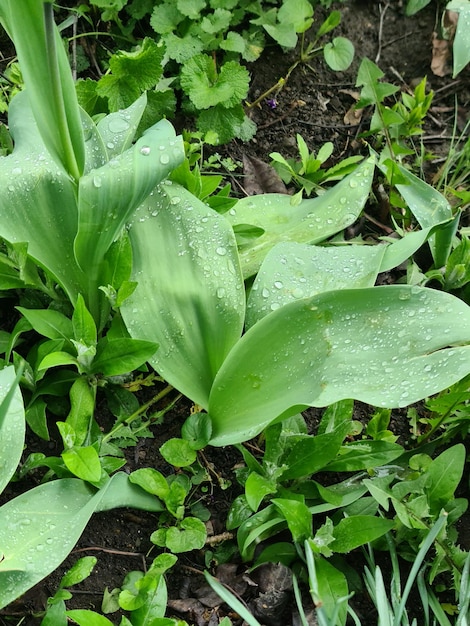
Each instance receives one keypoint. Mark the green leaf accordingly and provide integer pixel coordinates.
(329, 586)
(352, 532)
(222, 123)
(48, 79)
(83, 463)
(312, 221)
(151, 480)
(190, 535)
(57, 359)
(443, 477)
(82, 409)
(216, 22)
(49, 323)
(256, 488)
(123, 184)
(131, 74)
(297, 13)
(84, 327)
(338, 345)
(363, 455)
(197, 430)
(311, 454)
(37, 420)
(191, 8)
(413, 6)
(205, 88)
(332, 21)
(12, 426)
(373, 92)
(178, 452)
(189, 298)
(339, 54)
(85, 617)
(181, 49)
(461, 44)
(291, 271)
(298, 517)
(80, 570)
(119, 356)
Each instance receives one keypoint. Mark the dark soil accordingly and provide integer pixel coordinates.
(314, 104)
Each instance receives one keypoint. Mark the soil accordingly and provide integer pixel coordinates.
(314, 103)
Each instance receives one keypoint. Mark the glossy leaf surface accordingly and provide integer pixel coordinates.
(339, 345)
(12, 426)
(189, 298)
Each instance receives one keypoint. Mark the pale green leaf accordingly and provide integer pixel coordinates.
(339, 54)
(12, 426)
(312, 221)
(339, 345)
(85, 617)
(461, 44)
(292, 271)
(189, 298)
(83, 462)
(109, 195)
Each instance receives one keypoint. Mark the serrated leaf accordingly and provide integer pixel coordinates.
(191, 8)
(131, 74)
(205, 87)
(222, 123)
(165, 17)
(181, 49)
(216, 22)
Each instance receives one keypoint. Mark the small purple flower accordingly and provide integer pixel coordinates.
(272, 103)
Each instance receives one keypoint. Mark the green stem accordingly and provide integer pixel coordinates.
(128, 420)
(62, 124)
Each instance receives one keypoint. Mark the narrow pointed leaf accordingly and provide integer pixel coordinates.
(312, 221)
(48, 79)
(340, 345)
(189, 298)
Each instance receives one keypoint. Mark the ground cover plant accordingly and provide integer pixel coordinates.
(255, 312)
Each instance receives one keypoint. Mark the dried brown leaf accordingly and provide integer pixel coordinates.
(260, 177)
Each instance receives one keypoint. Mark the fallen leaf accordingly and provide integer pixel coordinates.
(260, 177)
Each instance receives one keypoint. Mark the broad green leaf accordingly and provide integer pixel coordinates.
(84, 463)
(291, 271)
(49, 323)
(151, 480)
(206, 88)
(256, 487)
(48, 79)
(12, 426)
(312, 221)
(30, 178)
(461, 44)
(190, 297)
(430, 208)
(110, 194)
(119, 492)
(297, 13)
(364, 455)
(178, 452)
(355, 531)
(331, 22)
(298, 517)
(312, 453)
(85, 617)
(339, 345)
(37, 531)
(413, 6)
(443, 477)
(339, 53)
(119, 356)
(153, 609)
(197, 430)
(190, 535)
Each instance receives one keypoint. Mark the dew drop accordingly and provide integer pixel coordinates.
(164, 159)
(118, 125)
(278, 284)
(221, 251)
(175, 200)
(97, 181)
(145, 150)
